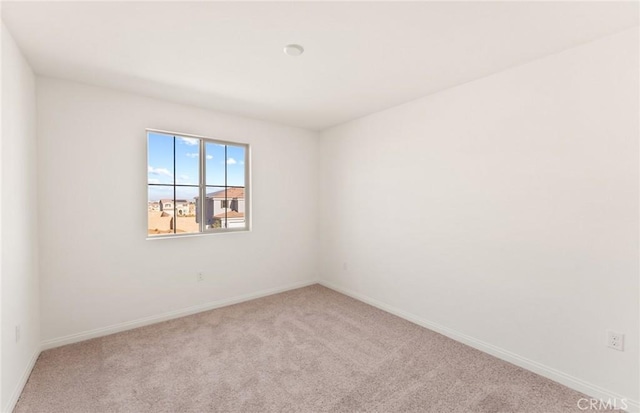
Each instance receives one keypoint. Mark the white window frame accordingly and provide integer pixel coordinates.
(202, 192)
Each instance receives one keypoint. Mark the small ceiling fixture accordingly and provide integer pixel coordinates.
(293, 49)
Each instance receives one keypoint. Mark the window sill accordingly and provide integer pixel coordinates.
(198, 234)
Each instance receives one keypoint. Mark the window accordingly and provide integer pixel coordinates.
(196, 185)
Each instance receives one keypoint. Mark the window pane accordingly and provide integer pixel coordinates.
(160, 213)
(187, 160)
(227, 206)
(236, 157)
(160, 158)
(216, 206)
(185, 209)
(236, 209)
(215, 163)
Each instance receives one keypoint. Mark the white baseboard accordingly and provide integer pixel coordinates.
(11, 403)
(116, 328)
(572, 382)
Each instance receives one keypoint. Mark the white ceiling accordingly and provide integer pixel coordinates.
(360, 57)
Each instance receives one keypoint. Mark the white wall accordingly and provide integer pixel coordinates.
(98, 269)
(20, 297)
(505, 209)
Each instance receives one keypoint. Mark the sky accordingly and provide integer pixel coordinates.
(160, 166)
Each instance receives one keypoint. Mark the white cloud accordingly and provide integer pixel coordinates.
(159, 171)
(209, 157)
(154, 181)
(190, 141)
(193, 154)
(231, 161)
(241, 162)
(184, 179)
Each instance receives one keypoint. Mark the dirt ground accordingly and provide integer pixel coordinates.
(184, 225)
(187, 224)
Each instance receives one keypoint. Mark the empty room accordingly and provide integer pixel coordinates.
(320, 207)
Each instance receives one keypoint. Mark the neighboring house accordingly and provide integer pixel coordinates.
(229, 204)
(154, 206)
(181, 206)
(234, 219)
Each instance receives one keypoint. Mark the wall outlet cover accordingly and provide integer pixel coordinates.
(615, 340)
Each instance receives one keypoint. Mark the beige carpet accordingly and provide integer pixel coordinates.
(307, 350)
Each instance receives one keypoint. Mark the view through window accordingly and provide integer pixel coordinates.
(195, 185)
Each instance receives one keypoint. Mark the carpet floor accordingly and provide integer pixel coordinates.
(306, 350)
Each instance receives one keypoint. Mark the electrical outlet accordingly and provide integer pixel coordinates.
(17, 334)
(200, 276)
(615, 340)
